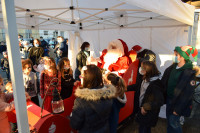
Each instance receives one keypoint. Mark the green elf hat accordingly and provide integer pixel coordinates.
(186, 51)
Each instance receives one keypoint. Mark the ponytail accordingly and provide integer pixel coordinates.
(118, 83)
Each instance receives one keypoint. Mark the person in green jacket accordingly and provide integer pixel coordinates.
(179, 83)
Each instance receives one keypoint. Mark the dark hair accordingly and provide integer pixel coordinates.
(85, 44)
(92, 77)
(151, 70)
(60, 66)
(20, 36)
(118, 83)
(25, 62)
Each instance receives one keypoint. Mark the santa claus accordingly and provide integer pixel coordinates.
(116, 58)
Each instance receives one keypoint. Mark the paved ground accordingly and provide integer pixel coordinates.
(191, 125)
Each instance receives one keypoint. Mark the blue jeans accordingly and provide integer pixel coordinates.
(173, 121)
(144, 129)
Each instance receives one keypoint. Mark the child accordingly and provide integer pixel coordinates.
(49, 75)
(5, 65)
(150, 96)
(93, 103)
(118, 102)
(30, 80)
(5, 107)
(11, 118)
(39, 68)
(67, 80)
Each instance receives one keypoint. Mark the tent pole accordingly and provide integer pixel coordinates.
(9, 19)
(195, 29)
(189, 35)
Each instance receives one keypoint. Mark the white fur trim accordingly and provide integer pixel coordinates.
(107, 92)
(118, 44)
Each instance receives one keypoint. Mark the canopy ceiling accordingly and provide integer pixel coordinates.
(100, 14)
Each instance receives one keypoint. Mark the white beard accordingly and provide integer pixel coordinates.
(111, 57)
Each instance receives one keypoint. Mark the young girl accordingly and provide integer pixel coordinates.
(150, 96)
(5, 107)
(30, 80)
(67, 80)
(93, 103)
(49, 75)
(118, 102)
(11, 118)
(39, 68)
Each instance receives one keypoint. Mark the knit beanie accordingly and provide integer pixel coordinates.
(186, 51)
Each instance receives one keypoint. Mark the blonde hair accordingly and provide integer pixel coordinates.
(9, 86)
(52, 64)
(118, 83)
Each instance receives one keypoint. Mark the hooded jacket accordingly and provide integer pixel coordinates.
(152, 101)
(92, 109)
(181, 102)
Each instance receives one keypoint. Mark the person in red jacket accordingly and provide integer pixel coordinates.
(116, 58)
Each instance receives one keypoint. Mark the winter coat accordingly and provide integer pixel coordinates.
(35, 54)
(44, 44)
(30, 84)
(183, 92)
(4, 63)
(152, 101)
(67, 85)
(92, 109)
(118, 103)
(62, 47)
(81, 60)
(136, 87)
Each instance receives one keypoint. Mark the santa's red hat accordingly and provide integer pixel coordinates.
(119, 44)
(137, 48)
(125, 47)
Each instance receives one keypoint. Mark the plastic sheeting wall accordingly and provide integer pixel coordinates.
(160, 40)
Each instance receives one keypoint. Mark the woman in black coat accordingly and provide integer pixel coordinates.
(150, 96)
(93, 103)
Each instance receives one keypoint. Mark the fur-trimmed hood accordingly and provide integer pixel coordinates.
(107, 92)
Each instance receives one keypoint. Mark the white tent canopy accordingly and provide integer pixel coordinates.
(157, 24)
(174, 9)
(100, 14)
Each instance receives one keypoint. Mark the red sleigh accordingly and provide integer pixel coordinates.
(60, 123)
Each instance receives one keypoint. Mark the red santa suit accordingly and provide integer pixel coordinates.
(116, 58)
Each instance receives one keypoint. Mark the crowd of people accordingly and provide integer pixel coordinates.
(100, 87)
